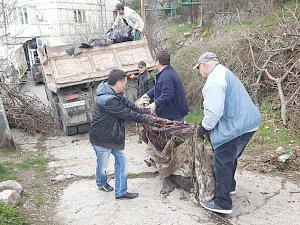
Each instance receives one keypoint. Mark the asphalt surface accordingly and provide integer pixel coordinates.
(260, 199)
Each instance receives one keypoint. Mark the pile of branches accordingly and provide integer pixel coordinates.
(266, 60)
(26, 112)
(274, 57)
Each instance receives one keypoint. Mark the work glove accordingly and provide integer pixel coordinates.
(201, 131)
(149, 120)
(145, 96)
(133, 32)
(143, 102)
(113, 27)
(152, 107)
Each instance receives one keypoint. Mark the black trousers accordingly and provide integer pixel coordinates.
(224, 164)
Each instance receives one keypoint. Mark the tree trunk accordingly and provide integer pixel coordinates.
(6, 140)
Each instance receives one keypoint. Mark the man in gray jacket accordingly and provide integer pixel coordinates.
(230, 120)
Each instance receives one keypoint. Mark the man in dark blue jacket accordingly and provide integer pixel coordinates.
(168, 93)
(107, 132)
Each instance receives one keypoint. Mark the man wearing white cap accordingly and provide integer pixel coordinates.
(230, 120)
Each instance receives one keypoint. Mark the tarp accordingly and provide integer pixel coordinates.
(177, 151)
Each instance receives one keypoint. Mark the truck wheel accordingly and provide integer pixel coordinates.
(83, 128)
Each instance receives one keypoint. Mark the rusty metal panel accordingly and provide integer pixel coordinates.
(94, 64)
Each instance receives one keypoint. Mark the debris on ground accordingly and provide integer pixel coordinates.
(26, 112)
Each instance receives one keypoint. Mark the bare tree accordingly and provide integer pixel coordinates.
(6, 7)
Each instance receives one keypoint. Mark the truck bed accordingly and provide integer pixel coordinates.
(92, 64)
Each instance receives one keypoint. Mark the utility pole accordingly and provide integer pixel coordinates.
(143, 15)
(6, 140)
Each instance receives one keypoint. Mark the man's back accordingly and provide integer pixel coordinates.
(169, 95)
(229, 110)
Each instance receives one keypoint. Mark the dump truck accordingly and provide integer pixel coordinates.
(71, 80)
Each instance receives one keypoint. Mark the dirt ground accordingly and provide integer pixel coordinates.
(44, 187)
(261, 161)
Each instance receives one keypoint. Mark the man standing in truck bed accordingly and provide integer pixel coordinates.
(127, 16)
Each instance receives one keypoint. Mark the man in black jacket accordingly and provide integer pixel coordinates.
(144, 81)
(107, 132)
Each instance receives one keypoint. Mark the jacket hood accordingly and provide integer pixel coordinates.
(104, 89)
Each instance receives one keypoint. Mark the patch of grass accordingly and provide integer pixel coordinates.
(237, 25)
(10, 151)
(132, 175)
(41, 200)
(11, 216)
(269, 136)
(177, 30)
(272, 133)
(39, 165)
(195, 116)
(153, 73)
(268, 20)
(7, 171)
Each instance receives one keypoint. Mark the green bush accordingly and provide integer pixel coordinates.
(11, 216)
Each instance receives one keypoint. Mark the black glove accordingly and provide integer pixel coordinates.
(149, 120)
(201, 131)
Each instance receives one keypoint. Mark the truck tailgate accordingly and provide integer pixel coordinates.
(94, 64)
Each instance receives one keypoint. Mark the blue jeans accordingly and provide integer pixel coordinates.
(102, 155)
(137, 35)
(224, 163)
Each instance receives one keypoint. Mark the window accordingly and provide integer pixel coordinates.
(20, 15)
(79, 16)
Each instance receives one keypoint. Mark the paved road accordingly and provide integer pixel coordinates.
(260, 200)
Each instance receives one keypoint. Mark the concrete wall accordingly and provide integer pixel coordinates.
(61, 21)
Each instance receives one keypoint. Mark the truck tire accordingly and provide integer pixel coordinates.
(83, 128)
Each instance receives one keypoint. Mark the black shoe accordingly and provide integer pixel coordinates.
(106, 187)
(212, 206)
(128, 196)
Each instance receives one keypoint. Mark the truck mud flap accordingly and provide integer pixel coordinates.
(79, 129)
(83, 128)
(70, 130)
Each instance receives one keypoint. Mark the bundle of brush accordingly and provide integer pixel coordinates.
(180, 156)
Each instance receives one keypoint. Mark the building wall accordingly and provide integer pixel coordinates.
(61, 21)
